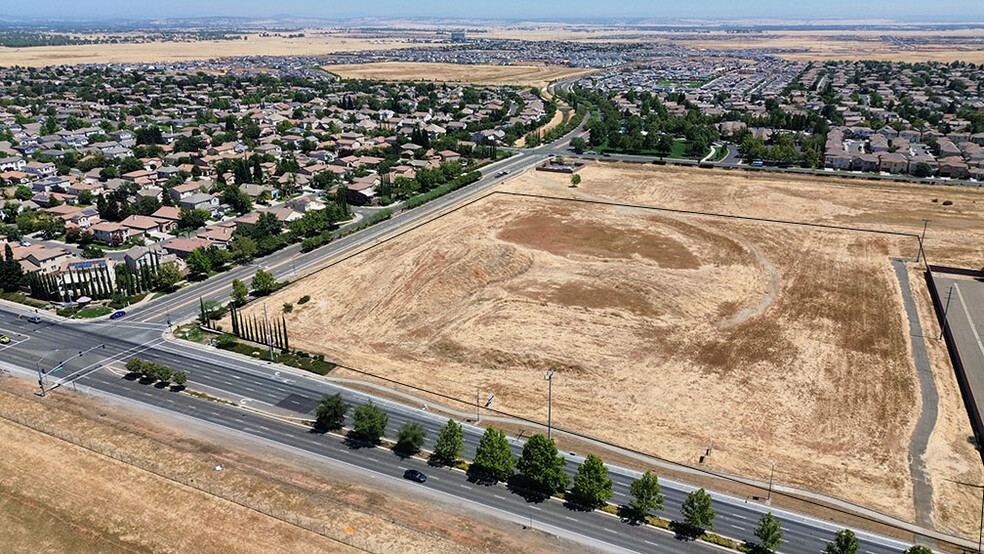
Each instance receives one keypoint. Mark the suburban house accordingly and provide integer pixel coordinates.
(76, 277)
(183, 247)
(148, 224)
(168, 213)
(110, 233)
(200, 201)
(41, 258)
(220, 235)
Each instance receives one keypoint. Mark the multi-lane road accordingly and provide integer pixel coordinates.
(259, 393)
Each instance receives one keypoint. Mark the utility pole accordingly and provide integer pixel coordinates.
(922, 253)
(168, 309)
(478, 415)
(549, 379)
(946, 312)
(768, 500)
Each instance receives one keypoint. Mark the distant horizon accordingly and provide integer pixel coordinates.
(858, 12)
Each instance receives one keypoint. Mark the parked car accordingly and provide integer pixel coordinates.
(34, 319)
(415, 475)
(117, 314)
(4, 339)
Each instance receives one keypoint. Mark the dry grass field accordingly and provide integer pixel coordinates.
(314, 43)
(58, 497)
(777, 343)
(527, 75)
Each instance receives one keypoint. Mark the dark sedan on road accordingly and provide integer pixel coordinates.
(415, 475)
(117, 315)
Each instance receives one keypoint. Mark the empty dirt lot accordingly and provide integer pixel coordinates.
(778, 343)
(527, 75)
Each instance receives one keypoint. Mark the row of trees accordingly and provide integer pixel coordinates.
(156, 372)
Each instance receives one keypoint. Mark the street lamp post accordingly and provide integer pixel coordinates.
(922, 253)
(771, 475)
(549, 379)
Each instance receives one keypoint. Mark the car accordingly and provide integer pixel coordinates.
(117, 314)
(415, 475)
(4, 339)
(34, 319)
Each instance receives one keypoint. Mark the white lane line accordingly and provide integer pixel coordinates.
(499, 497)
(570, 518)
(739, 516)
(649, 542)
(612, 531)
(736, 526)
(401, 467)
(434, 478)
(537, 508)
(465, 487)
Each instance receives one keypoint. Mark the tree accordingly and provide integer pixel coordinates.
(239, 292)
(579, 145)
(493, 458)
(697, 511)
(592, 487)
(646, 493)
(263, 283)
(410, 437)
(168, 275)
(923, 169)
(330, 413)
(11, 272)
(541, 465)
(179, 378)
(198, 262)
(369, 422)
(91, 252)
(450, 443)
(84, 198)
(192, 219)
(575, 180)
(844, 543)
(242, 248)
(769, 532)
(917, 549)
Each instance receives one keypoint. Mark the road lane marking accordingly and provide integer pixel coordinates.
(970, 320)
(537, 508)
(736, 526)
(464, 486)
(570, 518)
(612, 531)
(649, 542)
(739, 516)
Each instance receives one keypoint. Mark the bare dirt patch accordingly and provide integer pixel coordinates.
(629, 307)
(528, 75)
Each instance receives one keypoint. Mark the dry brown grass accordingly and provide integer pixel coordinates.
(312, 44)
(527, 75)
(776, 342)
(58, 497)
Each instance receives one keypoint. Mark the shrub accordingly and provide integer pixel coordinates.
(947, 202)
(288, 307)
(304, 299)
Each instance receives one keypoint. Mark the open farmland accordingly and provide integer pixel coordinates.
(527, 75)
(776, 342)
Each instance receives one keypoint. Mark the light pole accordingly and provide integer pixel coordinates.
(549, 379)
(768, 500)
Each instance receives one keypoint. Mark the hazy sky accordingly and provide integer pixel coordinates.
(934, 10)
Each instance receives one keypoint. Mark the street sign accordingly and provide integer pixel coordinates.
(489, 401)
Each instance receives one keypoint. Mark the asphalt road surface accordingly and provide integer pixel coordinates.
(266, 388)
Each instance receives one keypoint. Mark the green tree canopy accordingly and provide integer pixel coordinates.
(592, 486)
(450, 443)
(239, 292)
(198, 262)
(769, 532)
(697, 511)
(410, 437)
(541, 465)
(646, 494)
(263, 283)
(330, 413)
(844, 543)
(369, 422)
(493, 458)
